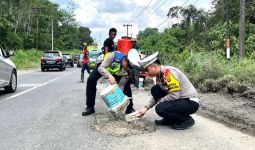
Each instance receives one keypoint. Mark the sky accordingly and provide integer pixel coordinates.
(101, 15)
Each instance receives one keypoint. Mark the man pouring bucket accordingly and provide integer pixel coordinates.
(174, 96)
(117, 69)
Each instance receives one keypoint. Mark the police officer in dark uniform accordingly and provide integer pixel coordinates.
(100, 71)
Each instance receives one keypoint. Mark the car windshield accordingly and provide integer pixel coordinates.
(51, 55)
(81, 56)
(68, 56)
(93, 54)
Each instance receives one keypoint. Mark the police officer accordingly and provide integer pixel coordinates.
(116, 68)
(174, 95)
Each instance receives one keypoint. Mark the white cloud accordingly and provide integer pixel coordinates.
(101, 15)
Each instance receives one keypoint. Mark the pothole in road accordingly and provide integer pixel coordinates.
(107, 124)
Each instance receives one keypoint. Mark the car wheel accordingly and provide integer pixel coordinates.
(42, 69)
(13, 83)
(61, 68)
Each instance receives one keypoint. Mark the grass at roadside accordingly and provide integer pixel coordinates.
(212, 72)
(29, 59)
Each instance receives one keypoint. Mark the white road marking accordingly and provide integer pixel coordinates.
(21, 93)
(30, 85)
(43, 84)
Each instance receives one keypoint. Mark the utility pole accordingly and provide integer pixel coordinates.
(37, 10)
(227, 32)
(127, 25)
(242, 30)
(37, 33)
(52, 34)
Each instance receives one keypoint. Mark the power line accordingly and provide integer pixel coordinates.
(195, 2)
(149, 10)
(155, 8)
(141, 11)
(146, 15)
(168, 17)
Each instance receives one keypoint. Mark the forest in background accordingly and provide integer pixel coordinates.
(27, 24)
(197, 45)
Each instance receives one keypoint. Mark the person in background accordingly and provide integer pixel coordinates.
(136, 71)
(135, 45)
(174, 95)
(85, 61)
(109, 43)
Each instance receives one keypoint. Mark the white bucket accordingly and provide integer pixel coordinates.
(141, 82)
(114, 98)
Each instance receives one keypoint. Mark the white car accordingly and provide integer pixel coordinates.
(8, 72)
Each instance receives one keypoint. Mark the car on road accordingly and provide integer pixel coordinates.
(76, 58)
(93, 55)
(8, 71)
(52, 59)
(69, 59)
(80, 60)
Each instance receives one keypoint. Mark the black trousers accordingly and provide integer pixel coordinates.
(85, 67)
(91, 88)
(176, 111)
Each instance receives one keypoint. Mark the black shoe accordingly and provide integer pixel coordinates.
(163, 122)
(184, 125)
(88, 111)
(130, 110)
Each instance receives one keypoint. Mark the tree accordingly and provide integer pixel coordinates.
(84, 35)
(18, 25)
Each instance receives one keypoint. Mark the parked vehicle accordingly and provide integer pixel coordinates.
(80, 60)
(76, 58)
(69, 59)
(93, 55)
(8, 71)
(52, 59)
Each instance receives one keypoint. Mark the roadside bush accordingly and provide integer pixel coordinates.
(243, 72)
(235, 87)
(249, 94)
(213, 69)
(206, 86)
(200, 67)
(213, 73)
(27, 58)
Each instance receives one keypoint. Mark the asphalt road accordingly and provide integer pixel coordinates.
(45, 113)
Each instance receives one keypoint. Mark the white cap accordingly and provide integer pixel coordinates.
(133, 57)
(148, 60)
(85, 44)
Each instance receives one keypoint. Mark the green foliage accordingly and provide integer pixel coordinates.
(243, 71)
(84, 35)
(18, 25)
(27, 58)
(197, 45)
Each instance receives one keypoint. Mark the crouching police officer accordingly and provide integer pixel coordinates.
(174, 95)
(116, 68)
